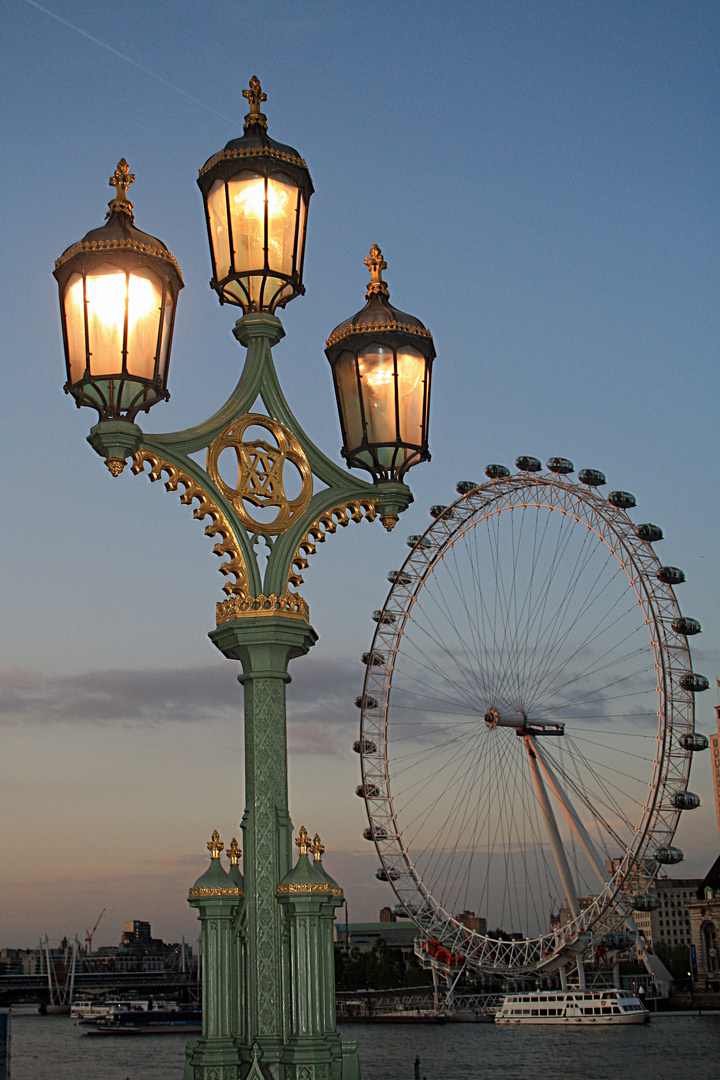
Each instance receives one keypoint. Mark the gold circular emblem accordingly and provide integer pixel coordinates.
(260, 472)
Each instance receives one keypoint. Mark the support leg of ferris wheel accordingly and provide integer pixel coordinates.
(557, 849)
(655, 967)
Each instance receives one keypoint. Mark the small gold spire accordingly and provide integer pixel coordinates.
(121, 180)
(303, 841)
(317, 847)
(376, 264)
(115, 465)
(215, 845)
(255, 97)
(234, 852)
(389, 521)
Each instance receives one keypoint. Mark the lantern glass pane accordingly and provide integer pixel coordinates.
(246, 193)
(217, 212)
(144, 309)
(347, 388)
(282, 200)
(75, 327)
(411, 394)
(376, 364)
(106, 290)
(165, 341)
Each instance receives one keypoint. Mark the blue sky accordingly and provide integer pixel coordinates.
(542, 179)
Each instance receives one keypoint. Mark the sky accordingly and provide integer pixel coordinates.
(542, 179)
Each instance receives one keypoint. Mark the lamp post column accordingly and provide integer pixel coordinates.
(264, 644)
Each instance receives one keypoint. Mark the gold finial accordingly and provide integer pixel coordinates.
(115, 465)
(121, 180)
(255, 97)
(234, 852)
(376, 264)
(317, 847)
(389, 521)
(303, 841)
(215, 845)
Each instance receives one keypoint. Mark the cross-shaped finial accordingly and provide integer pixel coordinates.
(215, 845)
(317, 847)
(303, 841)
(376, 264)
(234, 852)
(121, 180)
(255, 97)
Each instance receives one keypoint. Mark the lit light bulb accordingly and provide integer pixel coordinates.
(106, 298)
(251, 199)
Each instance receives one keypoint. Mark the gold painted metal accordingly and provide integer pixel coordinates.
(317, 848)
(303, 841)
(376, 264)
(376, 327)
(115, 465)
(215, 890)
(287, 606)
(234, 852)
(253, 152)
(119, 245)
(121, 180)
(389, 521)
(255, 97)
(260, 472)
(309, 887)
(327, 522)
(219, 525)
(215, 845)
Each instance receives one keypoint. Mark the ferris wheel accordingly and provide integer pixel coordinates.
(527, 718)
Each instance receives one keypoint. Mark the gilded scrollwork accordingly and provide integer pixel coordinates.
(219, 525)
(260, 472)
(308, 887)
(215, 890)
(289, 606)
(327, 522)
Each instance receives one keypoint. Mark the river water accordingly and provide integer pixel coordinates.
(670, 1048)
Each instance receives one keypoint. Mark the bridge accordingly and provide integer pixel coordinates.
(22, 988)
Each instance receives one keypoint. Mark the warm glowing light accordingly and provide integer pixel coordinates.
(251, 199)
(106, 295)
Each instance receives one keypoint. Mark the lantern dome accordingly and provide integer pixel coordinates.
(256, 193)
(118, 295)
(381, 360)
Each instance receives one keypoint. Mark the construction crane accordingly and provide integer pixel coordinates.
(89, 934)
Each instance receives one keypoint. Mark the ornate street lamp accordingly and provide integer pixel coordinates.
(269, 1010)
(381, 361)
(256, 194)
(118, 294)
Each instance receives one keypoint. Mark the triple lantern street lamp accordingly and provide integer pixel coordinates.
(268, 967)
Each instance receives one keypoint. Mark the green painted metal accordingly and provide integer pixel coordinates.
(268, 963)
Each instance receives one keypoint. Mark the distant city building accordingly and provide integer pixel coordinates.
(472, 921)
(670, 924)
(704, 912)
(387, 915)
(364, 935)
(715, 758)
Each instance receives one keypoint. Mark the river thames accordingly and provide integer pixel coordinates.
(52, 1048)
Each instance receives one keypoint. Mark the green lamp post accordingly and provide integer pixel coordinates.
(268, 967)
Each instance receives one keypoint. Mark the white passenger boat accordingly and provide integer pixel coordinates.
(609, 1006)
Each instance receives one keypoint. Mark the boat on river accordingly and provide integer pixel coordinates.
(595, 1007)
(180, 1019)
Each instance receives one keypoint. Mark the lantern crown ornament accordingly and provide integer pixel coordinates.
(118, 295)
(381, 360)
(256, 193)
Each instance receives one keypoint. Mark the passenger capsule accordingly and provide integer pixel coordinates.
(560, 465)
(528, 464)
(622, 499)
(419, 541)
(385, 618)
(364, 746)
(380, 833)
(497, 472)
(670, 575)
(694, 682)
(399, 577)
(365, 701)
(373, 659)
(387, 875)
(669, 856)
(686, 627)
(685, 800)
(444, 513)
(694, 741)
(645, 902)
(651, 533)
(592, 477)
(367, 791)
(464, 487)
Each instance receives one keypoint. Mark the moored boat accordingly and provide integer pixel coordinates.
(610, 1006)
(178, 1020)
